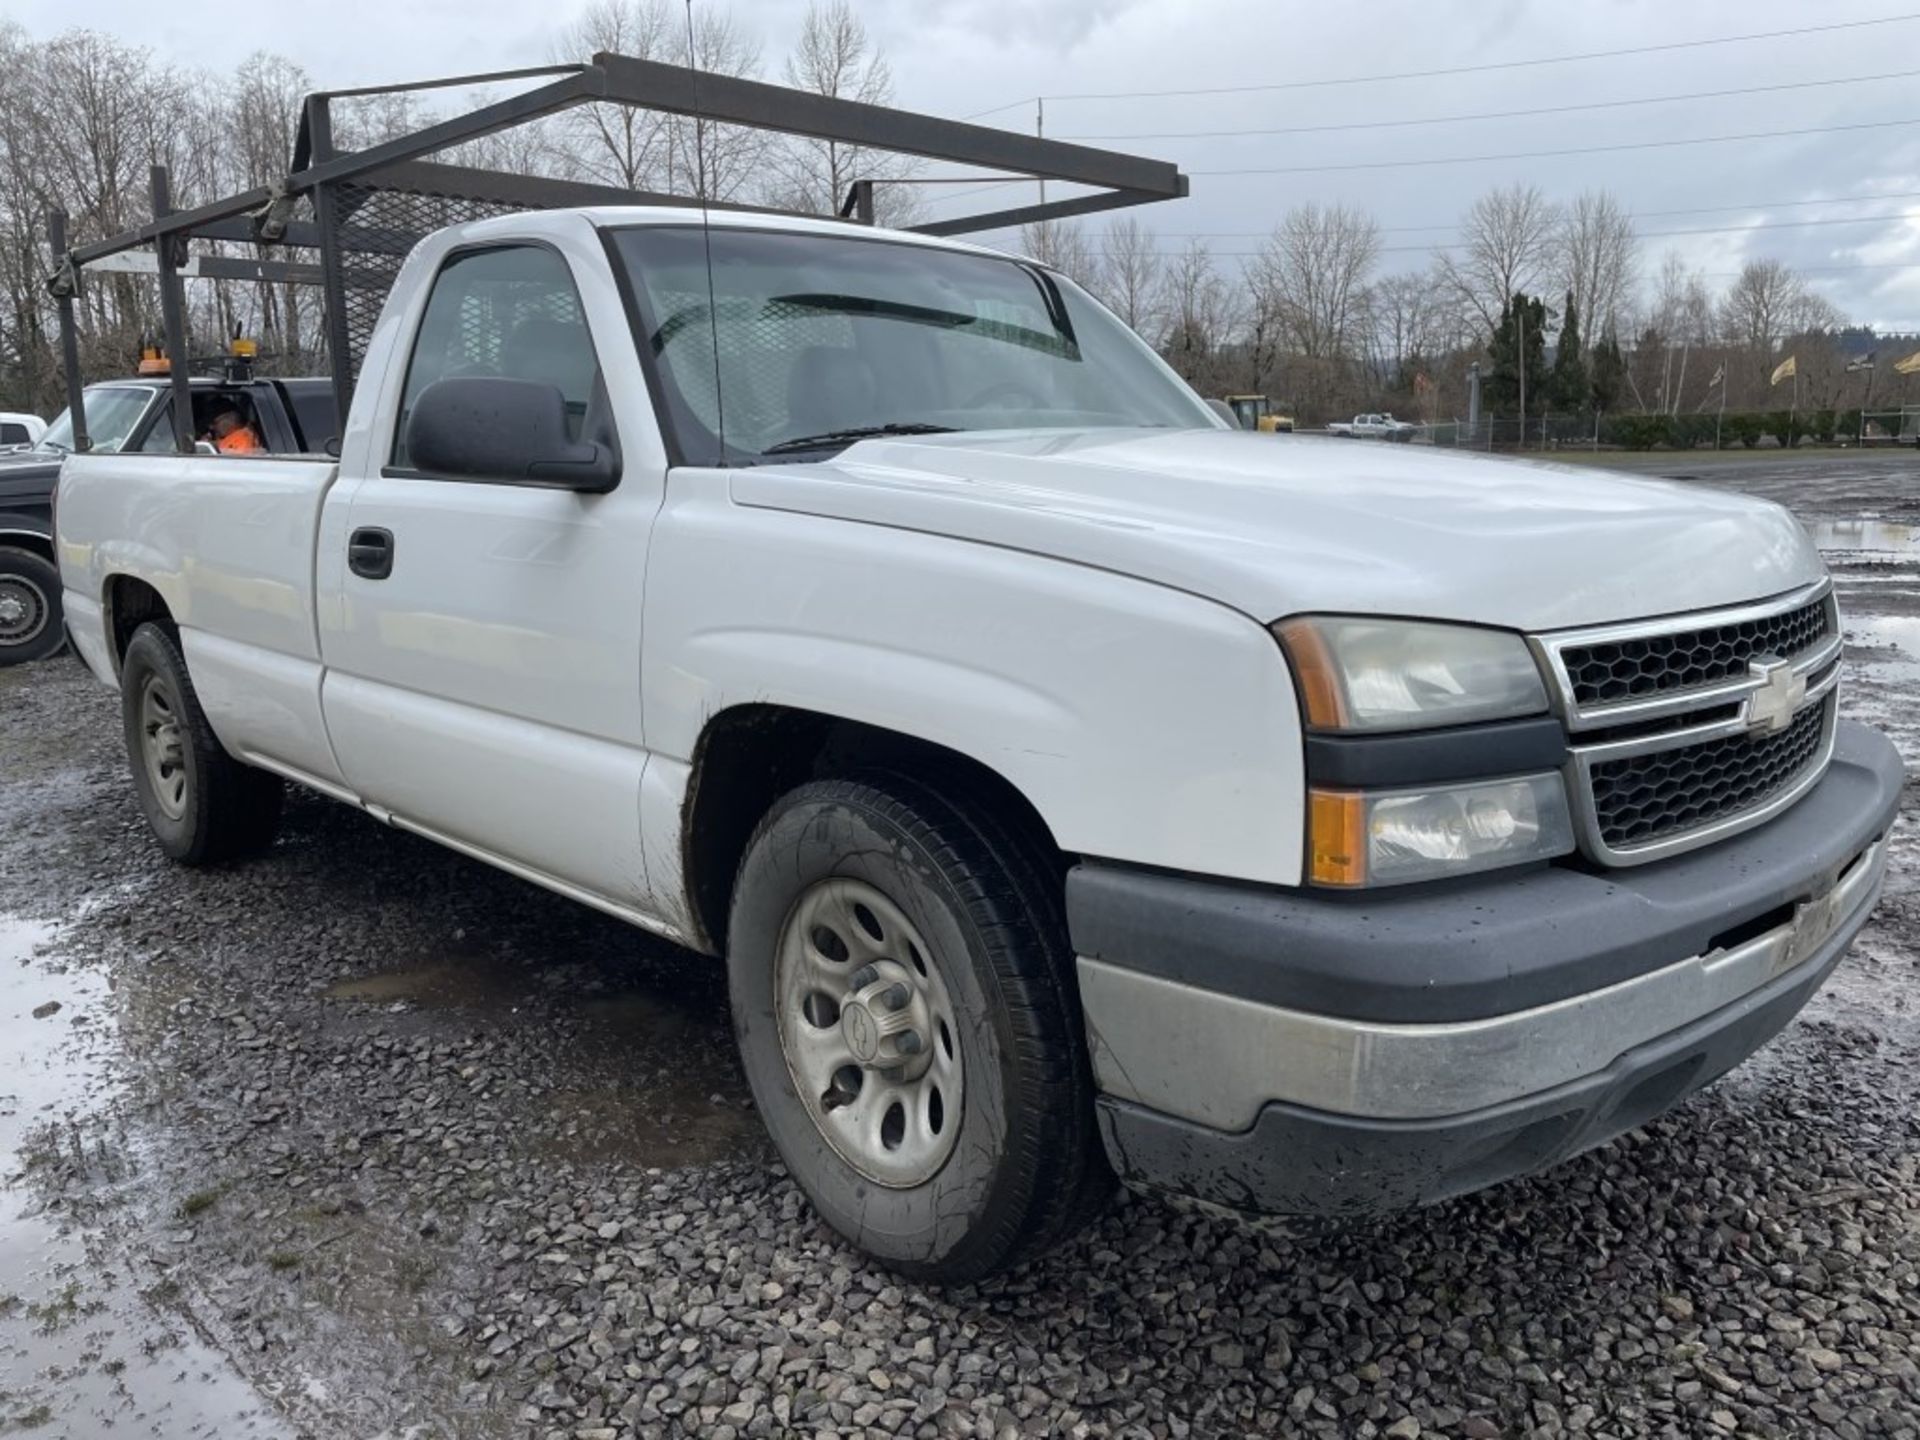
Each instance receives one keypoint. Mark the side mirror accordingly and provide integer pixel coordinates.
(489, 428)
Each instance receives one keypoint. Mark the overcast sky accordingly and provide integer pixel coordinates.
(960, 57)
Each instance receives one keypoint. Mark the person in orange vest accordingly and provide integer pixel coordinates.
(231, 434)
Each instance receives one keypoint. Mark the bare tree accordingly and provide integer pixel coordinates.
(1129, 275)
(1596, 259)
(1681, 322)
(619, 144)
(1311, 276)
(1064, 246)
(1405, 328)
(834, 57)
(1199, 313)
(723, 161)
(1755, 315)
(1506, 245)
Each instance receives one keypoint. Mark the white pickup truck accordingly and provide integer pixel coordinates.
(1073, 785)
(1372, 426)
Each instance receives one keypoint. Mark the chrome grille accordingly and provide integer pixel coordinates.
(1605, 671)
(1668, 793)
(1686, 730)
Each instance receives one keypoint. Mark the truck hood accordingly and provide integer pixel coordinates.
(1278, 525)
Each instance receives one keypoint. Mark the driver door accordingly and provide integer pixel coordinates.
(485, 689)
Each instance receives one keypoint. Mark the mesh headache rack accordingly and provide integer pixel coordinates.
(345, 220)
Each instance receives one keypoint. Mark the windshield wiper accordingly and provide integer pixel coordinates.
(847, 437)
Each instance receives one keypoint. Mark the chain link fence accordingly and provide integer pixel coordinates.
(1550, 433)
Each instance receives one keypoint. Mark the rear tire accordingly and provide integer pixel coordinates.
(201, 803)
(30, 626)
(975, 1148)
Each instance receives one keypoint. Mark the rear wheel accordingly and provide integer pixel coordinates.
(29, 607)
(201, 803)
(901, 992)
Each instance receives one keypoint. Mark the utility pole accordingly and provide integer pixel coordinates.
(1040, 133)
(1520, 329)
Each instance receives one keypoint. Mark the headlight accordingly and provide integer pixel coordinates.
(1391, 837)
(1358, 674)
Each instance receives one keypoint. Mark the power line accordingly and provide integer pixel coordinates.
(1639, 235)
(1550, 154)
(1483, 68)
(1501, 114)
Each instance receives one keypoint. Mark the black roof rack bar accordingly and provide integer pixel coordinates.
(721, 99)
(444, 82)
(1049, 210)
(360, 199)
(575, 89)
(725, 99)
(429, 177)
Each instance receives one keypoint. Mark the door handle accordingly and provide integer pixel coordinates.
(370, 553)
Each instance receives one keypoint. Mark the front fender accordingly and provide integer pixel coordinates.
(1144, 724)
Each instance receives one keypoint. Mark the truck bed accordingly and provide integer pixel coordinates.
(229, 544)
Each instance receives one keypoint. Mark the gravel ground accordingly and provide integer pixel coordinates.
(365, 1139)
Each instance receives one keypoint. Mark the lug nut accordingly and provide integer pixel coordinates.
(910, 1043)
(864, 977)
(897, 997)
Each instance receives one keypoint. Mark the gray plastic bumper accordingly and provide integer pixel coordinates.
(1385, 1094)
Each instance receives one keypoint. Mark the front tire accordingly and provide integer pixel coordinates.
(30, 627)
(902, 996)
(201, 803)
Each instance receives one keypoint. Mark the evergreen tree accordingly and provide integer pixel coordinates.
(1519, 343)
(1609, 374)
(1570, 388)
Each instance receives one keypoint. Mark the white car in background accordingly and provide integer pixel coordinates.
(19, 430)
(1373, 426)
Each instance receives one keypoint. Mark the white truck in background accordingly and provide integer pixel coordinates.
(1073, 785)
(1372, 426)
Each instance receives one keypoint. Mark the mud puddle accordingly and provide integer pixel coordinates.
(1868, 537)
(82, 1351)
(650, 1077)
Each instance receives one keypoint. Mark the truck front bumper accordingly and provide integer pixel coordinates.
(1287, 1051)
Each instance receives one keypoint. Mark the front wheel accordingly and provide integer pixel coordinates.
(901, 988)
(30, 626)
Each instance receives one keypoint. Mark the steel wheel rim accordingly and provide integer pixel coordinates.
(23, 610)
(163, 749)
(868, 1031)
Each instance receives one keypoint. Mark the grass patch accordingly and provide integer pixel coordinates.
(200, 1201)
(284, 1260)
(57, 1310)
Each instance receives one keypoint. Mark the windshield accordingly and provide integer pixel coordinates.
(112, 413)
(823, 338)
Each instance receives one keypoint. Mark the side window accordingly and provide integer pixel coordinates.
(12, 432)
(512, 312)
(159, 436)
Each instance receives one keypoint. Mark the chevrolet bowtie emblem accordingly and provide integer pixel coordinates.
(1771, 708)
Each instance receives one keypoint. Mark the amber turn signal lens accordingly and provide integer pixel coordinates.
(1313, 665)
(1336, 837)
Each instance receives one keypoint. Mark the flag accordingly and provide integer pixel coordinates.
(1718, 375)
(1908, 366)
(1783, 371)
(1861, 362)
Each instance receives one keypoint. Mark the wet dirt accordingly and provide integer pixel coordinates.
(82, 1350)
